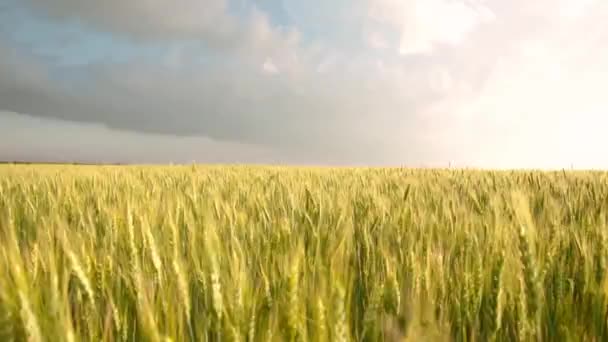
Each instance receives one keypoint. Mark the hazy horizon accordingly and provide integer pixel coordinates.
(415, 83)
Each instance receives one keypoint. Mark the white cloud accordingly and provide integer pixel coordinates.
(326, 63)
(269, 67)
(424, 23)
(541, 106)
(377, 41)
(573, 9)
(440, 80)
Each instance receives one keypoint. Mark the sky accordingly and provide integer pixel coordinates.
(419, 83)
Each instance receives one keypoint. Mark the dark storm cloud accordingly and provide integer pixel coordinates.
(318, 114)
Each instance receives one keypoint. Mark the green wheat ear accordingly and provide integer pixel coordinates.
(340, 327)
(30, 321)
(321, 318)
(373, 312)
(81, 275)
(293, 309)
(530, 275)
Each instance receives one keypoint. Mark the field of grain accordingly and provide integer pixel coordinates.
(240, 253)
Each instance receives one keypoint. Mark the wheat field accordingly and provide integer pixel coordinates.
(238, 253)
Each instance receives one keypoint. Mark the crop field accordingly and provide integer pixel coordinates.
(239, 253)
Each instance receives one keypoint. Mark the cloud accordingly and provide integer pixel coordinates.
(422, 24)
(269, 67)
(148, 19)
(208, 23)
(486, 83)
(539, 104)
(312, 113)
(21, 141)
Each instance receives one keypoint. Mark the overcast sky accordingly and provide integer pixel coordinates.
(494, 83)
